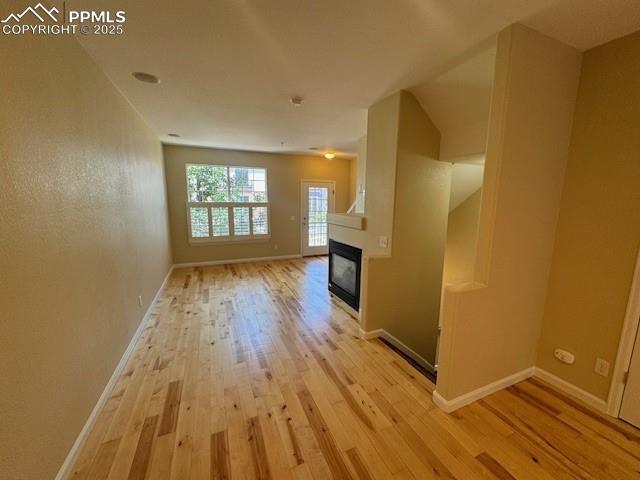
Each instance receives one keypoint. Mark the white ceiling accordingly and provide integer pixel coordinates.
(228, 68)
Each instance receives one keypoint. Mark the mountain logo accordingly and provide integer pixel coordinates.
(39, 11)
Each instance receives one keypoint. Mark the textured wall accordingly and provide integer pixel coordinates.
(462, 238)
(380, 172)
(402, 294)
(599, 228)
(83, 232)
(284, 175)
(353, 179)
(490, 330)
(361, 174)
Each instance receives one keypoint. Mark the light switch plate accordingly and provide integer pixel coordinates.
(602, 367)
(383, 241)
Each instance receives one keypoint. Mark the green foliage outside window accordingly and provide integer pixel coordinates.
(216, 183)
(207, 183)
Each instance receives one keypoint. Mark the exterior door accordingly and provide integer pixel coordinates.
(317, 201)
(630, 410)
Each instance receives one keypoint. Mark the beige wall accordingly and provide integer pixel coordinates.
(380, 173)
(353, 178)
(464, 141)
(361, 173)
(83, 229)
(285, 173)
(462, 238)
(490, 330)
(599, 228)
(403, 290)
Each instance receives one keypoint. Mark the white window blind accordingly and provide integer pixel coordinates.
(226, 203)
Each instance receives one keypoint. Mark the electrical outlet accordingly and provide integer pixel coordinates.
(602, 367)
(140, 301)
(564, 356)
(383, 241)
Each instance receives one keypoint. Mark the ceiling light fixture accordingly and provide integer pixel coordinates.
(145, 77)
(296, 100)
(329, 155)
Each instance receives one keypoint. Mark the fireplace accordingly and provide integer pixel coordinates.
(345, 263)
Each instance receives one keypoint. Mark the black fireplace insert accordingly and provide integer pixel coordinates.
(345, 263)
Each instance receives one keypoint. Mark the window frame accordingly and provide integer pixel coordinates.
(232, 237)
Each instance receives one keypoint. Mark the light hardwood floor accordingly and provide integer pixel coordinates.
(251, 371)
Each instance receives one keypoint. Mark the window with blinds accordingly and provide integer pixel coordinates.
(226, 203)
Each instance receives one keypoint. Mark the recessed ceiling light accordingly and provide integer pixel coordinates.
(296, 100)
(145, 77)
(174, 135)
(329, 155)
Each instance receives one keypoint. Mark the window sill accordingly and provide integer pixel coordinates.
(228, 241)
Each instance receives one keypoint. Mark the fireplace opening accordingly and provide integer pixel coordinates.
(345, 264)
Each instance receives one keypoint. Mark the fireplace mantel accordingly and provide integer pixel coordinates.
(347, 228)
(348, 220)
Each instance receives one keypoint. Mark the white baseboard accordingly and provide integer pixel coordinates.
(572, 390)
(235, 260)
(463, 400)
(380, 332)
(67, 467)
(371, 334)
(556, 382)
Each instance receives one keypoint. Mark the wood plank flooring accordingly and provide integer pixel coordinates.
(251, 371)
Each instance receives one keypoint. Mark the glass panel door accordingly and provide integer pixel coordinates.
(317, 202)
(318, 209)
